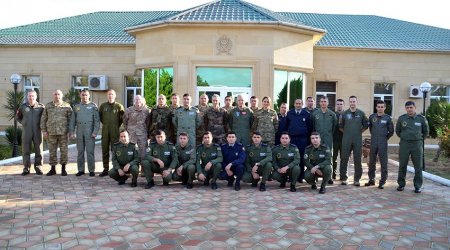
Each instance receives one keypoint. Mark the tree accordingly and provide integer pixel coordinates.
(151, 84)
(201, 82)
(10, 105)
(72, 97)
(438, 116)
(295, 91)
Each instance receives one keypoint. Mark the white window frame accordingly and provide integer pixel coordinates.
(133, 88)
(441, 97)
(382, 96)
(74, 83)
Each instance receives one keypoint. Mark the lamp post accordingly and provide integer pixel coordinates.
(15, 79)
(425, 87)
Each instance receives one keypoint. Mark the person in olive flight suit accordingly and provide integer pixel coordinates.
(381, 129)
(209, 161)
(187, 119)
(125, 160)
(240, 120)
(161, 157)
(258, 162)
(185, 170)
(286, 160)
(412, 129)
(29, 115)
(353, 122)
(337, 136)
(111, 116)
(233, 161)
(85, 119)
(317, 162)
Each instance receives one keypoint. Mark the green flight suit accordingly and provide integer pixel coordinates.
(353, 125)
(123, 154)
(412, 131)
(337, 144)
(166, 153)
(381, 129)
(111, 117)
(187, 120)
(85, 120)
(286, 156)
(186, 158)
(320, 156)
(213, 154)
(240, 121)
(324, 123)
(261, 154)
(30, 118)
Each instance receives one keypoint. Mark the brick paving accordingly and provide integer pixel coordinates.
(40, 212)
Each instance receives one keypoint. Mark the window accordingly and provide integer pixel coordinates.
(157, 81)
(440, 92)
(328, 89)
(31, 82)
(287, 87)
(224, 81)
(384, 92)
(80, 82)
(132, 88)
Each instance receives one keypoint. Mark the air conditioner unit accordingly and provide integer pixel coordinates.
(98, 82)
(414, 92)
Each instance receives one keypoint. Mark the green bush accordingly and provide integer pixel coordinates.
(5, 151)
(10, 135)
(10, 105)
(438, 115)
(72, 97)
(444, 140)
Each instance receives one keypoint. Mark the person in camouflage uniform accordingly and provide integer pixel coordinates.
(254, 101)
(29, 115)
(55, 127)
(161, 118)
(240, 121)
(286, 160)
(136, 121)
(185, 170)
(125, 160)
(209, 161)
(317, 162)
(162, 158)
(202, 107)
(187, 119)
(215, 120)
(175, 104)
(111, 116)
(228, 103)
(266, 121)
(258, 162)
(85, 120)
(337, 136)
(281, 122)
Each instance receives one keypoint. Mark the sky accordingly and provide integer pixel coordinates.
(431, 12)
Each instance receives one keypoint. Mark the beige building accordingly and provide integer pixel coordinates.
(229, 48)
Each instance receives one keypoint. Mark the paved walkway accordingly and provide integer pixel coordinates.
(38, 212)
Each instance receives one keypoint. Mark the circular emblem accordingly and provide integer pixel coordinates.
(306, 156)
(118, 153)
(147, 150)
(251, 154)
(311, 156)
(27, 109)
(404, 124)
(155, 153)
(317, 117)
(278, 155)
(203, 155)
(374, 119)
(223, 45)
(78, 108)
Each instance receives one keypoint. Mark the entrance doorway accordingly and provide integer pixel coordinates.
(225, 91)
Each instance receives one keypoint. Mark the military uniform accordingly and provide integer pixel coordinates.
(55, 121)
(353, 124)
(123, 154)
(200, 129)
(187, 120)
(85, 119)
(266, 122)
(412, 130)
(281, 127)
(286, 156)
(167, 154)
(337, 144)
(136, 123)
(111, 117)
(258, 154)
(235, 155)
(161, 119)
(381, 129)
(324, 123)
(172, 128)
(321, 157)
(213, 154)
(186, 158)
(30, 118)
(215, 121)
(240, 121)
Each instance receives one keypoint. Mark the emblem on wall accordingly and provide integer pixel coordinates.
(224, 45)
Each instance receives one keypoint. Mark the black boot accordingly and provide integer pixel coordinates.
(63, 170)
(52, 171)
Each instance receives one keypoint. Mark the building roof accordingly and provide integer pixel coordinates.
(342, 31)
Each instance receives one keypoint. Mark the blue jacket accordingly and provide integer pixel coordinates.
(282, 124)
(235, 154)
(298, 124)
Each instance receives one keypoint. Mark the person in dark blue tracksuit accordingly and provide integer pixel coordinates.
(299, 127)
(233, 161)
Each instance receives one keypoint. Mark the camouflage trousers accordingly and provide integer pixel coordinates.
(55, 141)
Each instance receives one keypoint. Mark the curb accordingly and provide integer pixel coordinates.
(427, 175)
(19, 158)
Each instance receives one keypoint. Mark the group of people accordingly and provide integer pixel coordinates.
(211, 142)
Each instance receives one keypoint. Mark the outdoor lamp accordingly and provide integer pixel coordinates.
(425, 87)
(15, 79)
